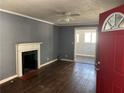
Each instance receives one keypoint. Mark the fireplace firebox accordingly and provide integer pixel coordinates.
(29, 61)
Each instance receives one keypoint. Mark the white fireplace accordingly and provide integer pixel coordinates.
(25, 47)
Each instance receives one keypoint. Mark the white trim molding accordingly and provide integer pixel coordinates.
(47, 63)
(26, 16)
(24, 47)
(8, 79)
(69, 60)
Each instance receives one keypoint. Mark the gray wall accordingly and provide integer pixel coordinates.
(66, 42)
(14, 30)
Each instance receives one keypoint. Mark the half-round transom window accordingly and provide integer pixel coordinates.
(113, 22)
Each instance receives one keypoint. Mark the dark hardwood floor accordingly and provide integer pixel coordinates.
(85, 60)
(58, 77)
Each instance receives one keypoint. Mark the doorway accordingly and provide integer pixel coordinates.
(85, 45)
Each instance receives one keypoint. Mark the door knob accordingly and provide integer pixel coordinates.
(98, 63)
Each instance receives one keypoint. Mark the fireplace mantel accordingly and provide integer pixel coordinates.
(23, 47)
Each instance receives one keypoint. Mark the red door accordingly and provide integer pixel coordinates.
(110, 74)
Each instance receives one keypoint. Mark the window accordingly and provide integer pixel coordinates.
(77, 38)
(90, 37)
(113, 22)
(93, 38)
(87, 37)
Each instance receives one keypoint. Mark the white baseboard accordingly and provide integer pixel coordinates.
(48, 63)
(69, 60)
(15, 76)
(8, 79)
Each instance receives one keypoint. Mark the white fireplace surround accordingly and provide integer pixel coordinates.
(23, 47)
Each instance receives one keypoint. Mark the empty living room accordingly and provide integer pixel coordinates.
(61, 46)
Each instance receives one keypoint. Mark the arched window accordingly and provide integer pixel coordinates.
(113, 22)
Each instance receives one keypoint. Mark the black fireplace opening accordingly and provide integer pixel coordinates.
(29, 61)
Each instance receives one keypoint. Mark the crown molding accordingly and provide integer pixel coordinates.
(26, 16)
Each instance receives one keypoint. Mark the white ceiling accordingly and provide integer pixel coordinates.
(46, 9)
